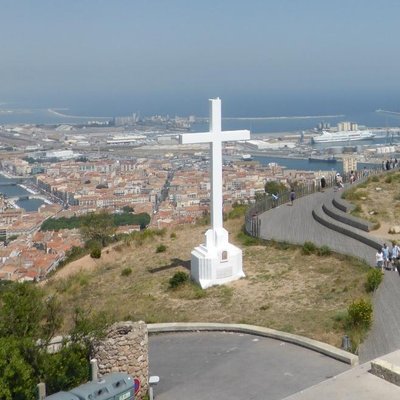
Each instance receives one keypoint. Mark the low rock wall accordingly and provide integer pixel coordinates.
(125, 349)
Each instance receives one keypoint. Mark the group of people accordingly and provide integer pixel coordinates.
(387, 259)
(389, 164)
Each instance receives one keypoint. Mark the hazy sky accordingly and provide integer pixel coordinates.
(261, 57)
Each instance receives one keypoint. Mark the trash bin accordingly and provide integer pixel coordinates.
(62, 396)
(114, 386)
(346, 344)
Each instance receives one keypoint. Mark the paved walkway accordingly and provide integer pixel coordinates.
(227, 365)
(295, 224)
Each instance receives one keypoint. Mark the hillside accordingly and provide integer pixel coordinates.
(378, 200)
(283, 289)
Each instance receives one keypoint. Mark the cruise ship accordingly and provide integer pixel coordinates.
(343, 136)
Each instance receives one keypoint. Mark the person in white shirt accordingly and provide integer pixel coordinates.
(379, 259)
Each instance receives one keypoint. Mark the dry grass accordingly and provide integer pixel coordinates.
(381, 207)
(283, 289)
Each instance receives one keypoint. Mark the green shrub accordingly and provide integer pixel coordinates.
(389, 179)
(324, 251)
(357, 210)
(126, 271)
(374, 278)
(340, 316)
(172, 235)
(247, 240)
(375, 178)
(360, 314)
(95, 253)
(309, 248)
(178, 279)
(161, 248)
(354, 194)
(238, 211)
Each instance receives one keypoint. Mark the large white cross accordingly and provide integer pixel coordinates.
(215, 137)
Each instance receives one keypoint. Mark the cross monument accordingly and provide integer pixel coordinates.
(216, 261)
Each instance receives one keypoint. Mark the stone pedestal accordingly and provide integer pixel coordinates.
(217, 261)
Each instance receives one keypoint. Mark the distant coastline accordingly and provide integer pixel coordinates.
(59, 114)
(284, 117)
(387, 112)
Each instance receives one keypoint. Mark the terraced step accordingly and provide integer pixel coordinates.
(354, 233)
(347, 219)
(342, 204)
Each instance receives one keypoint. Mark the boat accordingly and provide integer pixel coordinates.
(331, 159)
(343, 136)
(247, 157)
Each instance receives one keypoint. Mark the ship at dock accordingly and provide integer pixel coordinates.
(330, 159)
(343, 136)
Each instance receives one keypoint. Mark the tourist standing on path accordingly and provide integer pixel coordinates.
(395, 256)
(292, 196)
(379, 259)
(385, 251)
(323, 183)
(339, 181)
(352, 177)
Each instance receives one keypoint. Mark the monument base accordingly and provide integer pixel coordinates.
(216, 266)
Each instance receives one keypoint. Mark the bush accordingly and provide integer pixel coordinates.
(374, 278)
(238, 211)
(126, 271)
(95, 253)
(360, 314)
(247, 240)
(178, 279)
(309, 248)
(375, 179)
(389, 179)
(161, 248)
(172, 235)
(324, 251)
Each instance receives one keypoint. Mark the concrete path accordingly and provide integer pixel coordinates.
(227, 365)
(295, 224)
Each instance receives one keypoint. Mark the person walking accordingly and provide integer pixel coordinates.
(386, 260)
(323, 183)
(339, 181)
(395, 256)
(379, 259)
(292, 196)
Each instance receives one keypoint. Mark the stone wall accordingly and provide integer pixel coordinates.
(125, 349)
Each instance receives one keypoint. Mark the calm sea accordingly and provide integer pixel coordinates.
(273, 124)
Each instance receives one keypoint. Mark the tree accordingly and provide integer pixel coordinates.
(98, 227)
(274, 187)
(22, 311)
(28, 321)
(17, 376)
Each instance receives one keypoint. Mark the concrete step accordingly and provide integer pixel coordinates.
(387, 367)
(345, 218)
(320, 216)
